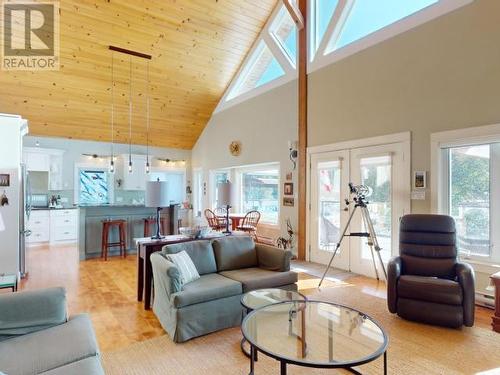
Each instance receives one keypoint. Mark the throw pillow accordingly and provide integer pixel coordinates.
(185, 265)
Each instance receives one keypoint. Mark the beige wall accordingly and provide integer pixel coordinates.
(442, 75)
(263, 125)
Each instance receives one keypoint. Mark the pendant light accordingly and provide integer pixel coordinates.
(130, 120)
(147, 119)
(112, 161)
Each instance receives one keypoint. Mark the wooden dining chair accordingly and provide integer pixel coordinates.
(249, 223)
(213, 221)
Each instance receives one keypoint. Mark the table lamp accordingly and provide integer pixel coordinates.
(224, 199)
(2, 224)
(157, 197)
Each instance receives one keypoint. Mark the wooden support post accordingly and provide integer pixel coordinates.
(302, 146)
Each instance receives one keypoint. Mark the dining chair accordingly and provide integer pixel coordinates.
(221, 213)
(213, 220)
(249, 223)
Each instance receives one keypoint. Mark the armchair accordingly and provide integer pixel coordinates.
(426, 282)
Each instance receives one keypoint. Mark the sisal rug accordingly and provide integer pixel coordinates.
(413, 348)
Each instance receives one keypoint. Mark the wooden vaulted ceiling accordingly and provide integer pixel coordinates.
(196, 46)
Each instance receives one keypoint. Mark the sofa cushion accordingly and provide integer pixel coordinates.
(207, 288)
(87, 366)
(49, 349)
(430, 289)
(31, 311)
(232, 253)
(200, 252)
(258, 278)
(185, 266)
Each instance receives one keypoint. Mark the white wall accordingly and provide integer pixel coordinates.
(263, 125)
(10, 160)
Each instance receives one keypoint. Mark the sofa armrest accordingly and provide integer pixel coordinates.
(393, 273)
(166, 275)
(465, 277)
(31, 311)
(273, 258)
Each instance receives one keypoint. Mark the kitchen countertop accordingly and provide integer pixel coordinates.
(110, 205)
(53, 208)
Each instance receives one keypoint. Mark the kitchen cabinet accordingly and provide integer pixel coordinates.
(39, 225)
(46, 160)
(135, 180)
(36, 161)
(54, 226)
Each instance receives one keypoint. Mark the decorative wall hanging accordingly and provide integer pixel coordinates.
(4, 201)
(288, 188)
(4, 180)
(288, 201)
(235, 148)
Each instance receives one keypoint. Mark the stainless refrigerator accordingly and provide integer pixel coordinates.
(25, 206)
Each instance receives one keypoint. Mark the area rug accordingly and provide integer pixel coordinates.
(413, 348)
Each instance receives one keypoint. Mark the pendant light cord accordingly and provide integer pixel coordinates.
(147, 114)
(130, 116)
(112, 107)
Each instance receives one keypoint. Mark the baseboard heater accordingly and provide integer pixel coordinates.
(485, 300)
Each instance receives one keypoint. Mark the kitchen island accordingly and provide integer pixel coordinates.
(90, 226)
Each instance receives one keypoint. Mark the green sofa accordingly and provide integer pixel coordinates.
(36, 337)
(228, 267)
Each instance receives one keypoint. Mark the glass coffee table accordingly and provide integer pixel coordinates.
(258, 298)
(314, 334)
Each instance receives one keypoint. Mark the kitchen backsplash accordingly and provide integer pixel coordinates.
(121, 196)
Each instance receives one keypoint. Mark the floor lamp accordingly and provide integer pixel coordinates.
(157, 197)
(224, 199)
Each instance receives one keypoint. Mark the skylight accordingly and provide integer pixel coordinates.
(368, 16)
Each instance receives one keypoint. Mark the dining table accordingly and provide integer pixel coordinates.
(235, 218)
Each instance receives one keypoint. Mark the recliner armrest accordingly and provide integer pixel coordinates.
(394, 268)
(30, 311)
(273, 258)
(465, 277)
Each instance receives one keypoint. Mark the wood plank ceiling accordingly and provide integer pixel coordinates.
(197, 47)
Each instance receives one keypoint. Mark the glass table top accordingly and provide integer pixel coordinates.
(313, 333)
(263, 297)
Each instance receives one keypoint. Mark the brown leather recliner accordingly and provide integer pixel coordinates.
(426, 283)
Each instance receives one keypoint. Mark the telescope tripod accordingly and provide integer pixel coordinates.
(370, 235)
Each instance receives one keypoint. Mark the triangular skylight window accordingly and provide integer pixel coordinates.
(285, 33)
(323, 13)
(262, 67)
(368, 16)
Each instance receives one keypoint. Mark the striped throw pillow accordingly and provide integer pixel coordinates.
(185, 265)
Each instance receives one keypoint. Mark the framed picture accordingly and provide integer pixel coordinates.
(289, 176)
(419, 180)
(288, 202)
(288, 189)
(4, 180)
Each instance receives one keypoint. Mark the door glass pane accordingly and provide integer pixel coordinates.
(376, 173)
(470, 198)
(329, 205)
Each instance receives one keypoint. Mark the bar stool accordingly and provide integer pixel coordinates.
(148, 221)
(107, 225)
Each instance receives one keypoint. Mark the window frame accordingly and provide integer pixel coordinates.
(319, 59)
(440, 144)
(272, 166)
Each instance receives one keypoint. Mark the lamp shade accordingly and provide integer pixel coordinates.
(224, 193)
(157, 194)
(2, 224)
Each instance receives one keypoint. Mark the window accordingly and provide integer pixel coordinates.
(469, 197)
(259, 190)
(93, 187)
(285, 33)
(218, 177)
(341, 28)
(263, 68)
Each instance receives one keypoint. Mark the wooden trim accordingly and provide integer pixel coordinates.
(130, 52)
(302, 147)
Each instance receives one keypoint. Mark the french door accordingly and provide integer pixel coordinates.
(382, 170)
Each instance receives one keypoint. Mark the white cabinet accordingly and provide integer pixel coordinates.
(36, 161)
(135, 180)
(54, 226)
(63, 225)
(39, 225)
(46, 160)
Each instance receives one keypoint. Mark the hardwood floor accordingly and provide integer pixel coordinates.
(107, 291)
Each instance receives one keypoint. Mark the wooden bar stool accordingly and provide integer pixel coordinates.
(152, 221)
(107, 225)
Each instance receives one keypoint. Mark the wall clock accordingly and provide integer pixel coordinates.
(235, 148)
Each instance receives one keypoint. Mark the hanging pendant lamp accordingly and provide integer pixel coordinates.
(147, 119)
(112, 161)
(130, 120)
